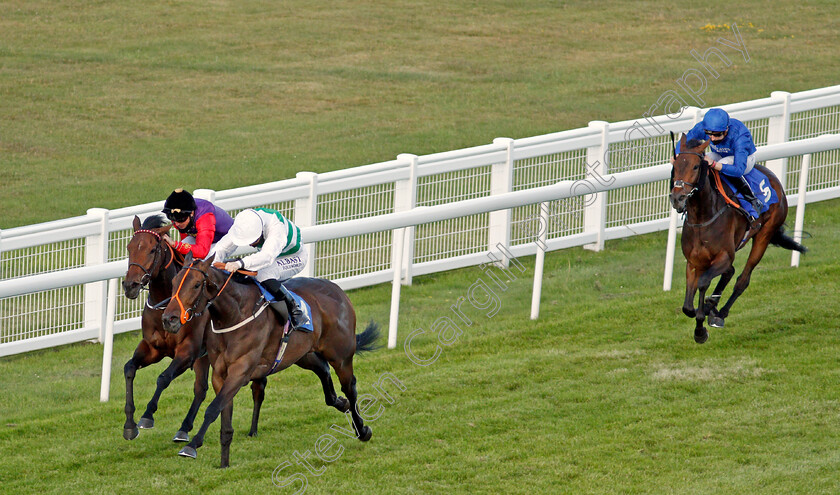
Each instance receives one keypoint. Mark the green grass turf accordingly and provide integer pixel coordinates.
(108, 104)
(606, 393)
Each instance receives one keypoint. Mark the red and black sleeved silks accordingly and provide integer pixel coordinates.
(206, 227)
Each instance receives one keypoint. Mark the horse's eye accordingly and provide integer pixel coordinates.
(197, 285)
(696, 167)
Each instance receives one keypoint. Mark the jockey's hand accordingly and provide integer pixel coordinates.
(168, 240)
(715, 165)
(232, 266)
(673, 159)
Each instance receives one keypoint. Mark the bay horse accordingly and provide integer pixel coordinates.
(245, 342)
(152, 263)
(713, 231)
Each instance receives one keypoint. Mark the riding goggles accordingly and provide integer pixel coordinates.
(178, 216)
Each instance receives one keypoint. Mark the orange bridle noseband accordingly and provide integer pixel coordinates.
(189, 313)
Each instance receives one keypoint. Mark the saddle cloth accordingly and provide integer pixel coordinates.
(760, 185)
(302, 304)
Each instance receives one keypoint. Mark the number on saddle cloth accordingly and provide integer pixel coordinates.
(302, 304)
(760, 185)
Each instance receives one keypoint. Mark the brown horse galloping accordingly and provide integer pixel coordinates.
(713, 231)
(247, 337)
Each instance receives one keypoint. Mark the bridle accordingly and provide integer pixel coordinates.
(681, 183)
(147, 273)
(191, 312)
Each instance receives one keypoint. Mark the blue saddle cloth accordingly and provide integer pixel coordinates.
(302, 304)
(760, 185)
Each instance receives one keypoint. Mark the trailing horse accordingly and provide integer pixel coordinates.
(249, 342)
(713, 231)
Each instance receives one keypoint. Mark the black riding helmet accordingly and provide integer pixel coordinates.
(179, 205)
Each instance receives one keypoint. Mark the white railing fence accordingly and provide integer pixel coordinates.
(424, 213)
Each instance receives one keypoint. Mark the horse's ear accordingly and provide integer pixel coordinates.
(188, 258)
(705, 144)
(136, 223)
(682, 141)
(164, 229)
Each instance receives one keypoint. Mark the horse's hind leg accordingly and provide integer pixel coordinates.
(317, 364)
(760, 242)
(201, 368)
(143, 356)
(344, 370)
(258, 392)
(710, 305)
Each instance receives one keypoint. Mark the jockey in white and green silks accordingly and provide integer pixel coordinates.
(281, 254)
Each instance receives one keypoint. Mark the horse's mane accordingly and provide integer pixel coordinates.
(154, 222)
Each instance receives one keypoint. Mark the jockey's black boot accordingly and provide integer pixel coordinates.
(282, 295)
(746, 191)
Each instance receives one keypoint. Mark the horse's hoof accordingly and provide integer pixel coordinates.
(342, 404)
(130, 433)
(366, 434)
(716, 321)
(188, 451)
(181, 436)
(146, 423)
(701, 335)
(252, 433)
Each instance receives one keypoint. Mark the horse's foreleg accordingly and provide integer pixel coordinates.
(258, 392)
(760, 242)
(180, 363)
(226, 433)
(143, 356)
(691, 276)
(201, 368)
(226, 388)
(720, 265)
(348, 386)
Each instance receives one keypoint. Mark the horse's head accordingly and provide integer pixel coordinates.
(146, 254)
(192, 289)
(689, 172)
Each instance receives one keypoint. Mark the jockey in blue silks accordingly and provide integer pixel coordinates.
(731, 150)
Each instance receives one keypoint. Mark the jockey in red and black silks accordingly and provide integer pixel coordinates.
(200, 223)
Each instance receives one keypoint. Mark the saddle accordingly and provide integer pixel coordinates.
(742, 205)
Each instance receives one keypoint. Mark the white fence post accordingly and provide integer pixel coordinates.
(108, 351)
(393, 321)
(800, 207)
(536, 293)
(778, 131)
(96, 253)
(670, 250)
(405, 199)
(501, 181)
(206, 194)
(595, 206)
(306, 210)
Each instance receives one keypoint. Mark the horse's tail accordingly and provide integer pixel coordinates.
(366, 341)
(783, 241)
